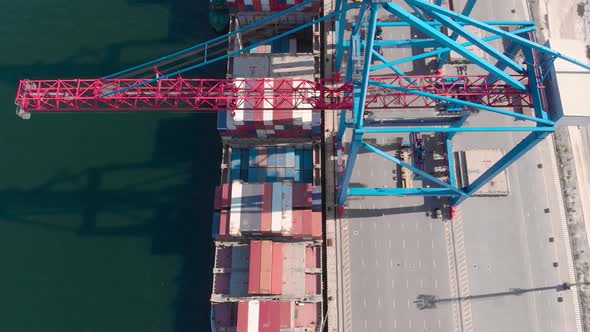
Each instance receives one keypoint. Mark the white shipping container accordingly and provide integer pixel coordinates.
(265, 5)
(238, 113)
(235, 211)
(230, 120)
(287, 215)
(260, 133)
(267, 114)
(307, 119)
(253, 315)
(277, 193)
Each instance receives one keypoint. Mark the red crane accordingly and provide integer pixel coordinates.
(211, 95)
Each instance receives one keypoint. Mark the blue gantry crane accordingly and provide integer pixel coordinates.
(504, 84)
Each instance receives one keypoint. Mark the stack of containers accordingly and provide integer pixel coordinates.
(269, 5)
(280, 118)
(283, 209)
(261, 315)
(272, 163)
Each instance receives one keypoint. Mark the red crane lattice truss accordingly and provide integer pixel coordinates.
(210, 95)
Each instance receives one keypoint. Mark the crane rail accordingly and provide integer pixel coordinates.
(211, 95)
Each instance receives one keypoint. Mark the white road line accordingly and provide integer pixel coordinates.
(419, 263)
(434, 264)
(364, 303)
(439, 326)
(408, 303)
(372, 172)
(432, 244)
(435, 283)
(421, 284)
(391, 263)
(389, 242)
(363, 261)
(418, 244)
(410, 323)
(378, 284)
(380, 326)
(430, 226)
(417, 226)
(424, 324)
(408, 286)
(365, 324)
(379, 303)
(395, 323)
(377, 262)
(393, 286)
(404, 244)
(403, 227)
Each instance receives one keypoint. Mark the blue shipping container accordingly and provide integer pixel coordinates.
(297, 176)
(307, 159)
(289, 173)
(235, 159)
(271, 174)
(281, 173)
(234, 174)
(290, 157)
(281, 156)
(261, 175)
(215, 225)
(298, 159)
(272, 157)
(252, 152)
(243, 159)
(307, 177)
(244, 175)
(252, 174)
(222, 120)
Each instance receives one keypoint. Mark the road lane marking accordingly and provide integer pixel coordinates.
(418, 244)
(434, 264)
(378, 285)
(408, 303)
(389, 241)
(380, 326)
(365, 324)
(395, 323)
(364, 303)
(363, 261)
(410, 323)
(419, 263)
(404, 244)
(375, 244)
(435, 283)
(403, 226)
(393, 286)
(421, 284)
(432, 244)
(408, 285)
(379, 303)
(391, 263)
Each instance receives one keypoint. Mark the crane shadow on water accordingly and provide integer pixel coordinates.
(167, 199)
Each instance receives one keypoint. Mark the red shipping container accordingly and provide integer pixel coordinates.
(264, 317)
(225, 195)
(261, 157)
(275, 316)
(285, 308)
(277, 268)
(316, 225)
(266, 218)
(302, 195)
(254, 268)
(307, 215)
(242, 324)
(217, 199)
(223, 224)
(266, 267)
(297, 226)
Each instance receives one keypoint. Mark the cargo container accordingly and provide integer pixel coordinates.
(253, 315)
(235, 209)
(254, 268)
(266, 267)
(277, 268)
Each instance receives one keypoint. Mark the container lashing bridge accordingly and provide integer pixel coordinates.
(158, 85)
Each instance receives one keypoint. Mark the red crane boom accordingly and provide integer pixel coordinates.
(211, 95)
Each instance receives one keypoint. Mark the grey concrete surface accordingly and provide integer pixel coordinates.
(508, 266)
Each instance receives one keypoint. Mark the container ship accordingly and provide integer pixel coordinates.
(267, 221)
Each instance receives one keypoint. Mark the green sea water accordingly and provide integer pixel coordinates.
(104, 218)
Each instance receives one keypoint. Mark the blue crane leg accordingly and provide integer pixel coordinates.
(506, 61)
(446, 41)
(451, 162)
(438, 24)
(511, 52)
(401, 192)
(373, 130)
(518, 151)
(340, 25)
(412, 168)
(441, 50)
(352, 154)
(462, 102)
(534, 84)
(466, 11)
(361, 96)
(509, 35)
